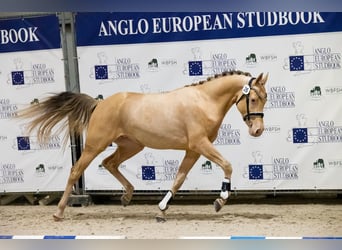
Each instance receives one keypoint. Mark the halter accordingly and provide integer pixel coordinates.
(245, 92)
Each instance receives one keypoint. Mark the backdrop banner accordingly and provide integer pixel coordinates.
(158, 52)
(31, 68)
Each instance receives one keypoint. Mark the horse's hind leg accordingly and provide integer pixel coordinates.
(87, 156)
(126, 149)
(188, 161)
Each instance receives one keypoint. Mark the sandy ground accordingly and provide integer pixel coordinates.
(138, 221)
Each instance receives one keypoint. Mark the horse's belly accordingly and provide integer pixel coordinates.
(161, 139)
(156, 121)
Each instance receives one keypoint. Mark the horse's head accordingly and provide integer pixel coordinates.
(252, 108)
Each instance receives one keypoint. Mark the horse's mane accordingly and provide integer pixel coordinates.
(225, 73)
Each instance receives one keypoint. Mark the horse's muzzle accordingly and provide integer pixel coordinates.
(256, 127)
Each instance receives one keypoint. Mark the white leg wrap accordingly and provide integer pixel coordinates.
(163, 204)
(225, 189)
(224, 195)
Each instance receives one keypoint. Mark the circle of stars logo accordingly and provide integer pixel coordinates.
(296, 63)
(23, 143)
(17, 77)
(101, 72)
(148, 173)
(300, 135)
(195, 68)
(256, 172)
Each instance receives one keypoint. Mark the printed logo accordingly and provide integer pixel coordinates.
(38, 73)
(272, 129)
(268, 57)
(121, 68)
(218, 63)
(255, 172)
(168, 62)
(251, 60)
(227, 135)
(316, 92)
(321, 59)
(206, 167)
(40, 170)
(157, 170)
(321, 165)
(23, 143)
(17, 77)
(300, 135)
(328, 132)
(256, 169)
(323, 132)
(280, 97)
(195, 68)
(101, 72)
(278, 169)
(333, 90)
(318, 165)
(296, 63)
(155, 65)
(9, 174)
(7, 109)
(27, 143)
(148, 173)
(334, 163)
(283, 169)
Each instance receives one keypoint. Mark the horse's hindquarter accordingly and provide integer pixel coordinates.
(166, 120)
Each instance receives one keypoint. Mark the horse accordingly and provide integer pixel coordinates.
(187, 118)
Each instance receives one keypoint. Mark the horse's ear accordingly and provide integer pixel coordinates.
(262, 78)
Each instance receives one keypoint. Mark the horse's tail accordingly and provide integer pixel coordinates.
(73, 110)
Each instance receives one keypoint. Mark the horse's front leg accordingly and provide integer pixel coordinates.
(188, 161)
(206, 148)
(225, 191)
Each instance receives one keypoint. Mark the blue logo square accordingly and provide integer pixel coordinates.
(23, 143)
(148, 173)
(296, 63)
(300, 135)
(256, 172)
(18, 77)
(195, 68)
(101, 72)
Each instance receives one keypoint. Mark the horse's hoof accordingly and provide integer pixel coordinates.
(166, 208)
(125, 201)
(57, 218)
(217, 205)
(160, 219)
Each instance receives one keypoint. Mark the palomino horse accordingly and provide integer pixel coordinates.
(187, 118)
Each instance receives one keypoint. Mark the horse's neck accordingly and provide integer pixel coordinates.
(225, 90)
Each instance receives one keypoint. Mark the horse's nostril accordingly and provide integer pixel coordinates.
(258, 131)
